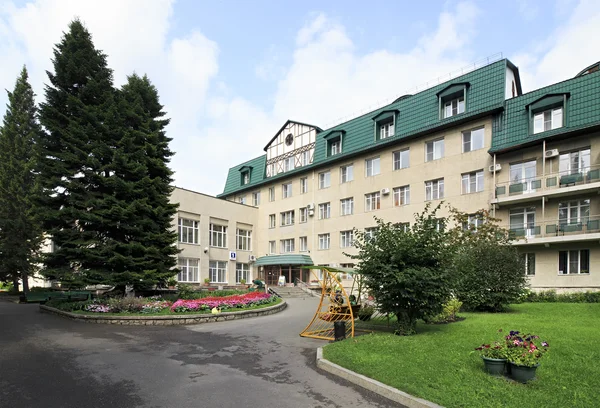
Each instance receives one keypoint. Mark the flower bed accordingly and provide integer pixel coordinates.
(223, 303)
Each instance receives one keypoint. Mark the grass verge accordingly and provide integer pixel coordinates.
(439, 364)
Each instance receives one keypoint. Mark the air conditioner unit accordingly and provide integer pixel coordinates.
(495, 168)
(311, 213)
(252, 258)
(310, 207)
(551, 153)
(385, 191)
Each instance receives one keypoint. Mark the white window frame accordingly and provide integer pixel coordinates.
(289, 163)
(401, 159)
(245, 178)
(549, 119)
(305, 158)
(303, 244)
(434, 189)
(303, 185)
(242, 271)
(218, 235)
(401, 196)
(372, 166)
(386, 129)
(272, 220)
(454, 107)
(287, 245)
(189, 270)
(473, 139)
(324, 211)
(243, 239)
(256, 198)
(524, 173)
(373, 201)
(528, 220)
(272, 247)
(303, 215)
(434, 149)
(346, 173)
(324, 241)
(324, 179)
(529, 258)
(184, 231)
(473, 222)
(287, 218)
(335, 147)
(575, 211)
(286, 190)
(370, 233)
(242, 199)
(217, 271)
(346, 239)
(347, 206)
(472, 182)
(574, 162)
(569, 262)
(271, 194)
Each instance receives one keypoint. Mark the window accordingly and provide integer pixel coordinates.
(372, 201)
(574, 212)
(529, 260)
(524, 174)
(188, 270)
(324, 241)
(574, 262)
(473, 222)
(244, 240)
(256, 199)
(188, 231)
(386, 130)
(287, 245)
(286, 190)
(346, 239)
(472, 140)
(217, 271)
(303, 185)
(245, 177)
(242, 272)
(404, 226)
(271, 194)
(305, 158)
(440, 224)
(272, 247)
(324, 179)
(370, 233)
(287, 218)
(574, 162)
(434, 150)
(401, 196)
(303, 215)
(522, 221)
(401, 159)
(548, 120)
(272, 221)
(335, 147)
(324, 211)
(303, 244)
(472, 182)
(242, 200)
(434, 189)
(288, 163)
(347, 206)
(346, 173)
(218, 236)
(372, 167)
(454, 107)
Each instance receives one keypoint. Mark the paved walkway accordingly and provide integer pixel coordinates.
(47, 361)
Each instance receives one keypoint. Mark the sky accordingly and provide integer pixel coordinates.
(230, 73)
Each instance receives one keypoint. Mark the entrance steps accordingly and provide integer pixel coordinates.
(290, 292)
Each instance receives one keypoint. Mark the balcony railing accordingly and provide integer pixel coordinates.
(557, 228)
(549, 182)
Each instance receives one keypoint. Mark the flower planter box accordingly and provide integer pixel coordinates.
(522, 374)
(494, 366)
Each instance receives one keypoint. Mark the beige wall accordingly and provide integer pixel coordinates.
(207, 209)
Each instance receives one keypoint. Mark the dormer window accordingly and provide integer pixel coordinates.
(334, 140)
(245, 177)
(547, 113)
(385, 124)
(335, 147)
(452, 100)
(245, 172)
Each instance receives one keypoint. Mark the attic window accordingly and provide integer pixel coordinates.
(385, 124)
(547, 113)
(333, 140)
(452, 100)
(245, 177)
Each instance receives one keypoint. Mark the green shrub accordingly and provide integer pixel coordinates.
(185, 291)
(65, 305)
(448, 314)
(550, 296)
(489, 276)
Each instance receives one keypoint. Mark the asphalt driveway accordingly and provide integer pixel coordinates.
(47, 361)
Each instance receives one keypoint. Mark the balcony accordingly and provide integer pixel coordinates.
(552, 184)
(557, 231)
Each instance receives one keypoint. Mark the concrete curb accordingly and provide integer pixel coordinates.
(166, 320)
(372, 385)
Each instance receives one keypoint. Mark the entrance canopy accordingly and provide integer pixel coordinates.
(291, 259)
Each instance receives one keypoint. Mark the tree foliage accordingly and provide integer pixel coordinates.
(407, 270)
(20, 233)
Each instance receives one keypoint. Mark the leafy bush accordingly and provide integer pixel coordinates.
(365, 313)
(489, 276)
(551, 296)
(448, 314)
(185, 291)
(65, 305)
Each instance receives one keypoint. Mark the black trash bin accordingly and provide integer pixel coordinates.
(339, 330)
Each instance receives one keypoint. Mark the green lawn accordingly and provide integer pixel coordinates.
(439, 364)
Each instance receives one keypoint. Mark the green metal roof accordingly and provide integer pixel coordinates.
(582, 112)
(287, 259)
(418, 114)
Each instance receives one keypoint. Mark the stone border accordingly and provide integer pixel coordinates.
(166, 320)
(372, 385)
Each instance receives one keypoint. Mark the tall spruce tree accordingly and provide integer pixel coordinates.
(77, 154)
(20, 233)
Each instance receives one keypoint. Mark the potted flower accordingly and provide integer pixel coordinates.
(524, 353)
(494, 357)
(206, 281)
(243, 282)
(172, 282)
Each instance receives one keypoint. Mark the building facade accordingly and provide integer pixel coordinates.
(475, 142)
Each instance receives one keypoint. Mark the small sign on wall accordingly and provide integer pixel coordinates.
(232, 256)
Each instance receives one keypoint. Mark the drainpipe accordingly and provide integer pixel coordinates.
(494, 186)
(543, 185)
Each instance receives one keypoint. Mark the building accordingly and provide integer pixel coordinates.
(475, 141)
